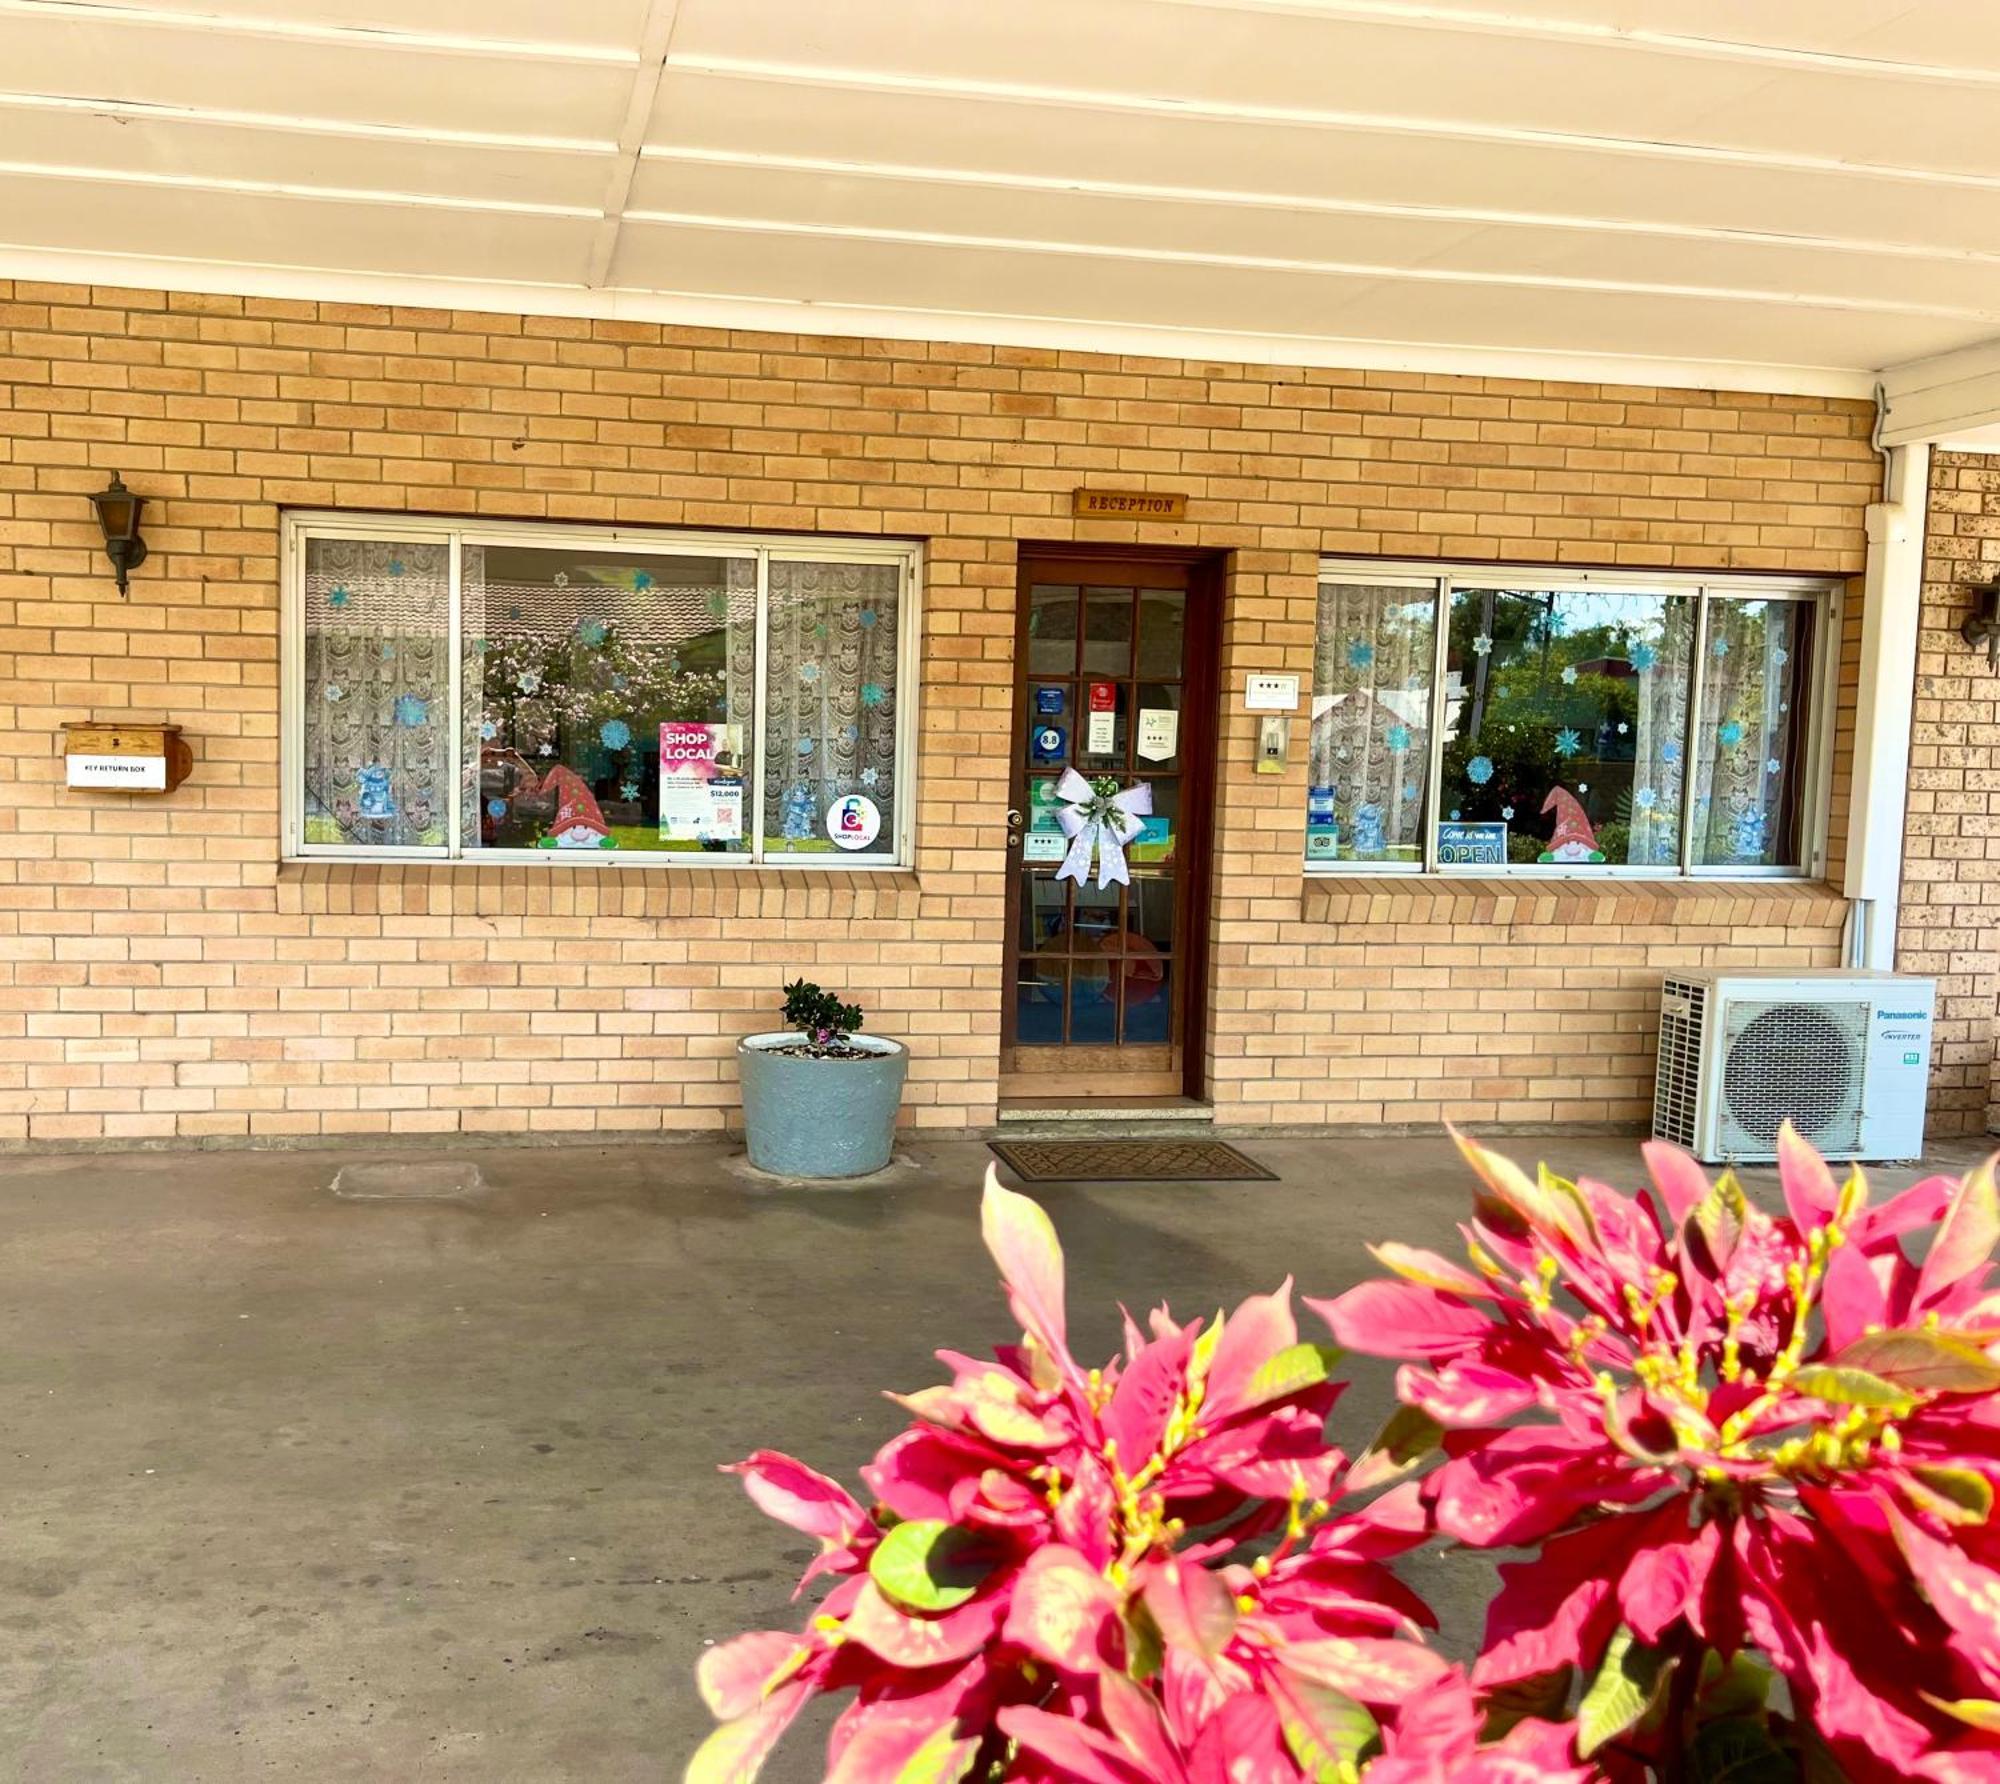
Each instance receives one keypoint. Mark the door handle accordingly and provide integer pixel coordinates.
(1013, 828)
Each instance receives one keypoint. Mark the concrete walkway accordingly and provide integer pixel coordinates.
(302, 1486)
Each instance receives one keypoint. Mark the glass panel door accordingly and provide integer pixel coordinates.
(1106, 672)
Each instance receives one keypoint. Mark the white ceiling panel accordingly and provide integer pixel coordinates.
(1939, 33)
(752, 120)
(369, 81)
(195, 149)
(609, 27)
(1785, 194)
(250, 229)
(1777, 271)
(974, 281)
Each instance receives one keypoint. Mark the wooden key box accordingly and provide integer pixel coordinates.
(120, 758)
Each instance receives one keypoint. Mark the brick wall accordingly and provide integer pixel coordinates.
(162, 976)
(1950, 910)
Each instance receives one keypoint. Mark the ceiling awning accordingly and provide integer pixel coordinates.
(1794, 197)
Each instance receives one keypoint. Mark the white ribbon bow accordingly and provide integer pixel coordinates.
(1101, 822)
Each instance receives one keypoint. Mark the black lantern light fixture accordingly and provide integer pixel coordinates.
(1981, 627)
(118, 517)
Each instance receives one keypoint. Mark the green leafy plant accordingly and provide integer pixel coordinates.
(827, 1021)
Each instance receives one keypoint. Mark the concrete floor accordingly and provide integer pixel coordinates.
(303, 1486)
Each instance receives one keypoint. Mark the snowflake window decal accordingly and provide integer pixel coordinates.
(614, 734)
(1398, 737)
(333, 691)
(1567, 742)
(1482, 645)
(1645, 798)
(1479, 770)
(1569, 675)
(1730, 734)
(1643, 657)
(412, 711)
(1360, 653)
(339, 596)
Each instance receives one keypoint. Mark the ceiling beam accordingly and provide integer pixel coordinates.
(656, 38)
(1948, 399)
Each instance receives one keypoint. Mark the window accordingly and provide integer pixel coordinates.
(499, 692)
(1484, 720)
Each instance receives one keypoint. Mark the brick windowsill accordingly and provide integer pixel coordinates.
(472, 888)
(1747, 904)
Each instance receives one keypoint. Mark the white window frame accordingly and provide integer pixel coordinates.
(1446, 578)
(654, 542)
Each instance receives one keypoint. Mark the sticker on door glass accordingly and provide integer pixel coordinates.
(1049, 741)
(853, 821)
(1159, 733)
(1103, 734)
(1043, 847)
(1049, 702)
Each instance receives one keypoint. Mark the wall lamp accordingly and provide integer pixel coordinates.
(1981, 627)
(118, 517)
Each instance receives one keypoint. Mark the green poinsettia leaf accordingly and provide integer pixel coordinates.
(1543, 1695)
(1964, 1495)
(1922, 1362)
(1325, 1730)
(928, 1566)
(1620, 1695)
(1291, 1371)
(1841, 1386)
(1738, 1750)
(1408, 1439)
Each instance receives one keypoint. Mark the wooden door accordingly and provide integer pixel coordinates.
(1115, 667)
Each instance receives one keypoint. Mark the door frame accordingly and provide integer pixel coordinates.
(1207, 581)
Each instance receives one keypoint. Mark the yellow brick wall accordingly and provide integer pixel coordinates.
(1949, 923)
(161, 976)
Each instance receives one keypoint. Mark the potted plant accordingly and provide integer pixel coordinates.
(819, 1097)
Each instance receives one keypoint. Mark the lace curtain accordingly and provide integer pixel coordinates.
(830, 699)
(377, 714)
(1663, 671)
(1369, 753)
(1746, 736)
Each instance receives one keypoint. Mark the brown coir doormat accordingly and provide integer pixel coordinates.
(1128, 1161)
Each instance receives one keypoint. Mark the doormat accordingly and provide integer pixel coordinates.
(1128, 1161)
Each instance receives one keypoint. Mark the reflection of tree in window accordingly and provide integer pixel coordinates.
(1567, 690)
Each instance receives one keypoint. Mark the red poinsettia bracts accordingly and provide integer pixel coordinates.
(1726, 1431)
(1052, 1582)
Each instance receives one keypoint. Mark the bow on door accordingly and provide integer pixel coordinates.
(1098, 818)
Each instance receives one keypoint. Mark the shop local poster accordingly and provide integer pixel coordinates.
(701, 782)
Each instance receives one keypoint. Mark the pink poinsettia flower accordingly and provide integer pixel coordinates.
(1052, 1582)
(1723, 1430)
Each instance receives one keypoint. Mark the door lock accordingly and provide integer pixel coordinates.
(1014, 822)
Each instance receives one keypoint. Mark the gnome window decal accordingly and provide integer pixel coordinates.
(1573, 839)
(578, 822)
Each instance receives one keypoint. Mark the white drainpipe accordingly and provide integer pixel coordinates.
(1891, 598)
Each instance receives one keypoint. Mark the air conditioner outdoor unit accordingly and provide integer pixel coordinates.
(1844, 1055)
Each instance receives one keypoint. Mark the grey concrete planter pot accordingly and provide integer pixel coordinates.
(820, 1117)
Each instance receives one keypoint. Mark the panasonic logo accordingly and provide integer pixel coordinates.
(1900, 1015)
